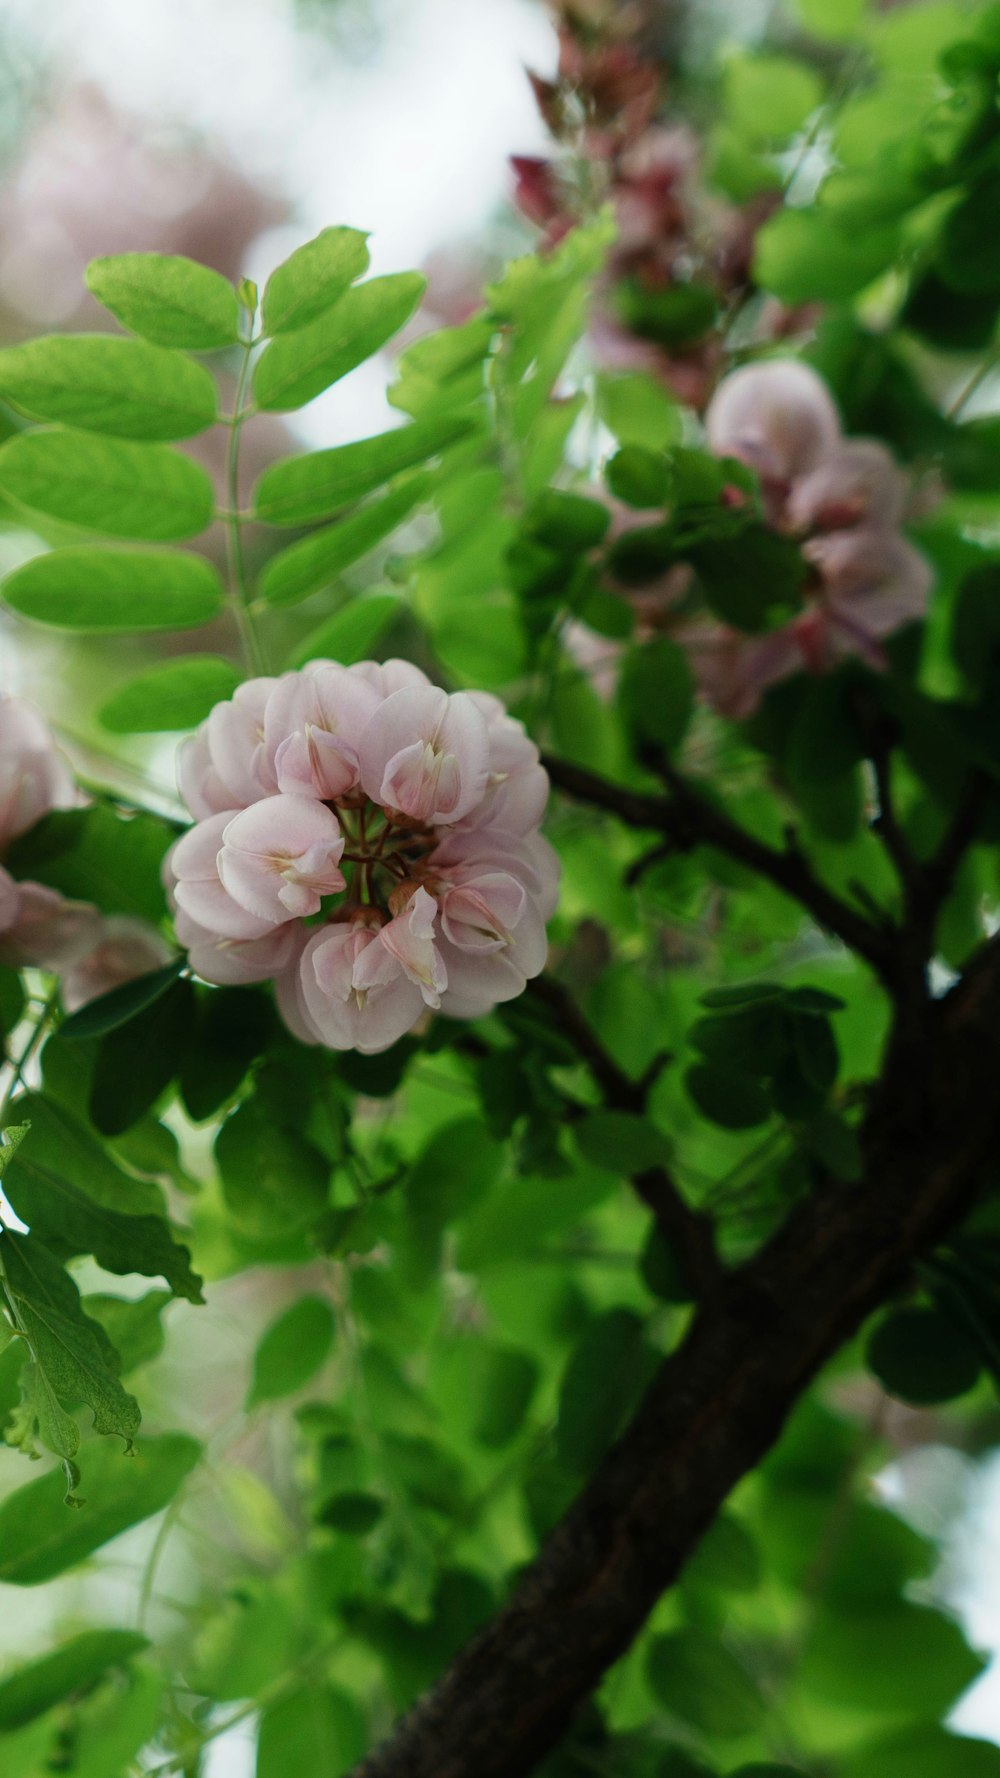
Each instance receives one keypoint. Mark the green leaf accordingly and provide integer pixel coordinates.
(505, 1382)
(273, 1179)
(115, 591)
(72, 1196)
(351, 634)
(803, 256)
(97, 855)
(298, 366)
(569, 523)
(698, 1679)
(313, 278)
(168, 299)
(921, 1356)
(173, 695)
(107, 484)
(620, 1142)
(72, 1359)
(769, 97)
(108, 1011)
(230, 1030)
(727, 1558)
(656, 693)
(924, 1752)
(639, 476)
(315, 562)
(731, 1100)
(969, 256)
(600, 1386)
(752, 580)
(300, 490)
(40, 1539)
(134, 1325)
(137, 1061)
(105, 384)
(74, 1668)
(317, 1730)
(352, 1512)
(292, 1350)
(638, 410)
(896, 1660)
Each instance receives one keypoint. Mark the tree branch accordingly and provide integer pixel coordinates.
(719, 1402)
(688, 819)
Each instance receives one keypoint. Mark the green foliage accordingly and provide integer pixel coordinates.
(107, 484)
(115, 591)
(123, 387)
(74, 1668)
(167, 299)
(174, 695)
(300, 364)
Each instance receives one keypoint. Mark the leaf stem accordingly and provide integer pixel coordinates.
(232, 517)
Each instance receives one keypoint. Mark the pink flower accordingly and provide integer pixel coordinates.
(47, 931)
(197, 888)
(279, 857)
(857, 484)
(312, 725)
(346, 1013)
(126, 949)
(776, 417)
(232, 962)
(34, 777)
(418, 809)
(426, 754)
(224, 765)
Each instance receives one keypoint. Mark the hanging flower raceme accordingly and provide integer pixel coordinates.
(842, 500)
(39, 928)
(368, 842)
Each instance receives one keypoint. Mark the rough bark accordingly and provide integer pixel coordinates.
(720, 1401)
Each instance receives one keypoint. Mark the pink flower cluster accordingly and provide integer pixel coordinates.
(842, 499)
(39, 928)
(368, 842)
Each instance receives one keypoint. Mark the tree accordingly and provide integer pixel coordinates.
(583, 1286)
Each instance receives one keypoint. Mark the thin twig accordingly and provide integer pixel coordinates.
(688, 819)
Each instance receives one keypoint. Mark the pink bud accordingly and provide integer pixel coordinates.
(126, 948)
(777, 417)
(48, 932)
(858, 484)
(313, 726)
(224, 765)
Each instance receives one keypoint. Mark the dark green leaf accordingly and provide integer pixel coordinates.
(134, 1325)
(733, 1101)
(167, 298)
(969, 256)
(119, 1005)
(752, 580)
(924, 1752)
(353, 1513)
(313, 278)
(137, 1061)
(620, 1142)
(568, 523)
(902, 1659)
(656, 693)
(298, 366)
(506, 1381)
(104, 384)
(97, 855)
(75, 1668)
(173, 695)
(601, 1383)
(698, 1679)
(638, 476)
(273, 1179)
(71, 1361)
(115, 590)
(228, 1033)
(40, 1539)
(72, 1196)
(922, 1356)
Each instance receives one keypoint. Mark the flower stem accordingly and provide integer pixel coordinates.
(239, 592)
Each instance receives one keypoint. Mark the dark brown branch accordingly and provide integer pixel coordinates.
(688, 1232)
(688, 819)
(719, 1402)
